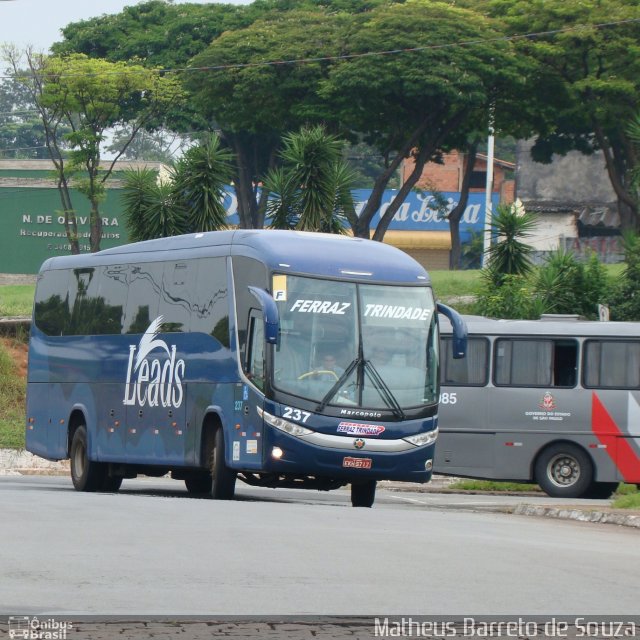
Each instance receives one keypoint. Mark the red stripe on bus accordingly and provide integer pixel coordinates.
(619, 449)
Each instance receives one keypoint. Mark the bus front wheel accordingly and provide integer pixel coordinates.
(564, 471)
(363, 493)
(223, 479)
(86, 475)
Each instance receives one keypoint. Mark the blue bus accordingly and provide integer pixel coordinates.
(284, 359)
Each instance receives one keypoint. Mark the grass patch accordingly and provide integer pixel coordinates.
(448, 284)
(492, 485)
(16, 300)
(12, 402)
(628, 501)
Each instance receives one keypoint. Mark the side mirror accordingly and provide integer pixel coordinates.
(459, 343)
(269, 313)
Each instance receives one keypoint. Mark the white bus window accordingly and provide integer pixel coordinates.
(612, 364)
(472, 370)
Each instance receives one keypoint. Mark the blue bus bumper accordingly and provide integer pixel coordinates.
(301, 458)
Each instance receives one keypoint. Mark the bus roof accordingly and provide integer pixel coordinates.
(479, 325)
(329, 255)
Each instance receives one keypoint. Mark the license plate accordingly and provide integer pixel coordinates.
(357, 463)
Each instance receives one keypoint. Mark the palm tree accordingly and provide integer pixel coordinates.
(509, 255)
(191, 201)
(312, 189)
(150, 208)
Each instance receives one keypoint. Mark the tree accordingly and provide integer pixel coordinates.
(427, 96)
(625, 298)
(312, 190)
(190, 201)
(254, 103)
(509, 255)
(21, 131)
(590, 59)
(31, 79)
(92, 96)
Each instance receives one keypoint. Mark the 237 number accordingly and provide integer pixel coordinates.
(295, 414)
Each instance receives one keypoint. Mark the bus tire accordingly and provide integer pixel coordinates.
(198, 483)
(563, 470)
(363, 493)
(86, 475)
(223, 479)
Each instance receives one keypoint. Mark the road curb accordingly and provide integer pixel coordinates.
(580, 515)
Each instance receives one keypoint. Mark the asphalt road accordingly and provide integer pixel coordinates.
(152, 550)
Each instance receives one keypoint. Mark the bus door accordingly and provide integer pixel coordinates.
(466, 433)
(247, 438)
(533, 398)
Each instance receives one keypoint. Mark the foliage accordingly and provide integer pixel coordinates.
(566, 285)
(588, 78)
(150, 207)
(199, 179)
(629, 501)
(471, 257)
(12, 402)
(514, 298)
(312, 190)
(624, 302)
(190, 202)
(21, 131)
(508, 255)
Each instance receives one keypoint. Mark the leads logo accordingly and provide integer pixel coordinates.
(153, 382)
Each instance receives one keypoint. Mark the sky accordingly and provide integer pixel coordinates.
(38, 22)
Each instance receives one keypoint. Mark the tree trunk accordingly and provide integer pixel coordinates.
(455, 215)
(627, 206)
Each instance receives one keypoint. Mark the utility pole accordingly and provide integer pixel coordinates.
(488, 188)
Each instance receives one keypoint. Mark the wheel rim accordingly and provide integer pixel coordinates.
(563, 470)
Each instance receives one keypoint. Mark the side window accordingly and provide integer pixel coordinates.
(178, 282)
(612, 364)
(246, 272)
(472, 370)
(112, 296)
(255, 352)
(536, 363)
(210, 308)
(143, 299)
(85, 313)
(51, 308)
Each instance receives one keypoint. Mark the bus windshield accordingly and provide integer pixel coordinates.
(357, 345)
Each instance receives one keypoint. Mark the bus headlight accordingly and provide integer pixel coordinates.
(283, 425)
(422, 439)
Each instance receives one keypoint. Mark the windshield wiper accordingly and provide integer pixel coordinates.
(339, 382)
(383, 389)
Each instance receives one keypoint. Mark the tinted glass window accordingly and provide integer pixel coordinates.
(178, 283)
(612, 364)
(86, 309)
(246, 272)
(471, 370)
(51, 309)
(143, 299)
(210, 305)
(112, 298)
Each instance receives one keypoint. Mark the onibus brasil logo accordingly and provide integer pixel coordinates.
(151, 381)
